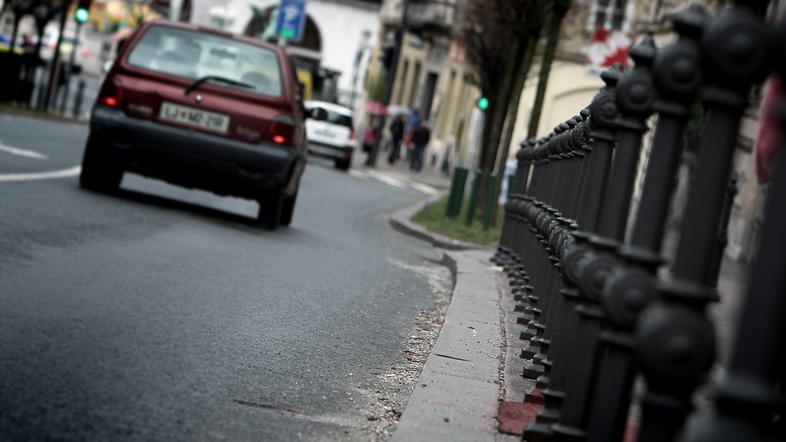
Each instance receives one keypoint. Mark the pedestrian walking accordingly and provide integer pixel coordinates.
(413, 121)
(369, 138)
(396, 136)
(420, 138)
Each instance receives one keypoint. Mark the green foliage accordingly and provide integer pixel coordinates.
(433, 218)
(375, 88)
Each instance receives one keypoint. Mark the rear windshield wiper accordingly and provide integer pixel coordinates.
(216, 79)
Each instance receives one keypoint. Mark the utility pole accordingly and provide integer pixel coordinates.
(70, 69)
(54, 70)
(399, 39)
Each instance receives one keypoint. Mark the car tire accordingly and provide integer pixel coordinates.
(288, 209)
(343, 164)
(270, 209)
(99, 171)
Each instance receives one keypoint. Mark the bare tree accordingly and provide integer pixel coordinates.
(499, 37)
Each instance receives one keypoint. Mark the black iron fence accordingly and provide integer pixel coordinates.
(599, 311)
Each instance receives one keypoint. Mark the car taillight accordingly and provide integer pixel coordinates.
(281, 130)
(110, 95)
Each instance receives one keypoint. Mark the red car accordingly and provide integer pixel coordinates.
(201, 108)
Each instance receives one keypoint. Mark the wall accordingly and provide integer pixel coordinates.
(570, 89)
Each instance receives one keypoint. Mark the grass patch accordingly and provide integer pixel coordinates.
(433, 218)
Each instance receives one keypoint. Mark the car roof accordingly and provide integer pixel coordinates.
(330, 106)
(208, 29)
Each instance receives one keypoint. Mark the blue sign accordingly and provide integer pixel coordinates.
(291, 19)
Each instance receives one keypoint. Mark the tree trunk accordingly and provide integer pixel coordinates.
(513, 110)
(561, 7)
(494, 122)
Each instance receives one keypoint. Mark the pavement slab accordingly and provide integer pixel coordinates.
(457, 394)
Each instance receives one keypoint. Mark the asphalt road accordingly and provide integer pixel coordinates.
(162, 313)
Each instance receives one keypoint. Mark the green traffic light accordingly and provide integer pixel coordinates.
(82, 15)
(483, 103)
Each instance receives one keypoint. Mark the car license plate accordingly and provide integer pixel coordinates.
(327, 133)
(190, 116)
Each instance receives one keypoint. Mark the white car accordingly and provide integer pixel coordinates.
(330, 132)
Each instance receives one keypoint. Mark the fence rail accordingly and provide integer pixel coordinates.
(599, 312)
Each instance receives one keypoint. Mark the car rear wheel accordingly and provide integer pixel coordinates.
(343, 164)
(99, 171)
(288, 209)
(270, 209)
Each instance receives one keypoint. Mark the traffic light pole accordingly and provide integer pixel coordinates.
(54, 69)
(70, 69)
(371, 161)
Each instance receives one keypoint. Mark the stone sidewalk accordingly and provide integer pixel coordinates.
(472, 388)
(457, 394)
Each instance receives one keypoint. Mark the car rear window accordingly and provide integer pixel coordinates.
(194, 55)
(331, 117)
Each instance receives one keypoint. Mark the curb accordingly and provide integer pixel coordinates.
(456, 397)
(42, 116)
(458, 392)
(400, 221)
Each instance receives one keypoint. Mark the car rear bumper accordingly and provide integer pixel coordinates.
(330, 151)
(190, 158)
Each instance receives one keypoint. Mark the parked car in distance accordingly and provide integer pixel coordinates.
(330, 132)
(204, 109)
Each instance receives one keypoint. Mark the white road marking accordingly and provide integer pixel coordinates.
(358, 174)
(401, 183)
(22, 152)
(63, 173)
(389, 180)
(428, 190)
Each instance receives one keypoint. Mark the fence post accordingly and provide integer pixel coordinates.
(472, 205)
(675, 339)
(603, 112)
(456, 196)
(610, 315)
(505, 254)
(490, 202)
(747, 398)
(80, 91)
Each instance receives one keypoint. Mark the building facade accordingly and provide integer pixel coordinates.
(433, 77)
